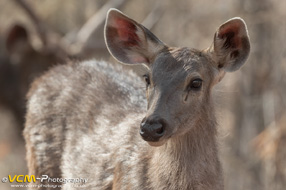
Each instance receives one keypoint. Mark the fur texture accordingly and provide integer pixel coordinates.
(75, 130)
(84, 118)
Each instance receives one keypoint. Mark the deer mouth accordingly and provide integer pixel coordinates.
(160, 142)
(157, 143)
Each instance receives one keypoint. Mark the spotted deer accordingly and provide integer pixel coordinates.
(89, 120)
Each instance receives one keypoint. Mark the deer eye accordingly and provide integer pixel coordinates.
(147, 79)
(195, 84)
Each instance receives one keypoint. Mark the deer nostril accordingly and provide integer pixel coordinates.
(143, 129)
(158, 129)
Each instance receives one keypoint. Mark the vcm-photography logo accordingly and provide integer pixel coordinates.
(43, 178)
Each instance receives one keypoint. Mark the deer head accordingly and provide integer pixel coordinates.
(178, 80)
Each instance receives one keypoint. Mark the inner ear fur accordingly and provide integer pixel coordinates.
(128, 41)
(231, 45)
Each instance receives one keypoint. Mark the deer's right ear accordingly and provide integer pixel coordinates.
(128, 41)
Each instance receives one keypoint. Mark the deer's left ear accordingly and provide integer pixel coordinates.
(17, 39)
(231, 45)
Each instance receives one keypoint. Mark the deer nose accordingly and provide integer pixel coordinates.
(152, 130)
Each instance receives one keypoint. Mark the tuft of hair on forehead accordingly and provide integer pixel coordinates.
(187, 55)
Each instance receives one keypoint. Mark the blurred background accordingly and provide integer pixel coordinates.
(251, 103)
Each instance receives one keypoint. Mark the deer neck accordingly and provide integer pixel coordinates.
(191, 158)
(191, 148)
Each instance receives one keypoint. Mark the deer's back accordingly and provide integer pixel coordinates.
(83, 121)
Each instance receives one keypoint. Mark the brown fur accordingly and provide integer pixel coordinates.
(83, 118)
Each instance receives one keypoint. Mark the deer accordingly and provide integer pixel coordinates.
(21, 62)
(19, 65)
(94, 120)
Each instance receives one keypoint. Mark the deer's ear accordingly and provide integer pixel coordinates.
(128, 41)
(17, 37)
(231, 45)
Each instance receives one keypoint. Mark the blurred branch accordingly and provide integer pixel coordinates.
(51, 41)
(153, 17)
(94, 23)
(41, 30)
